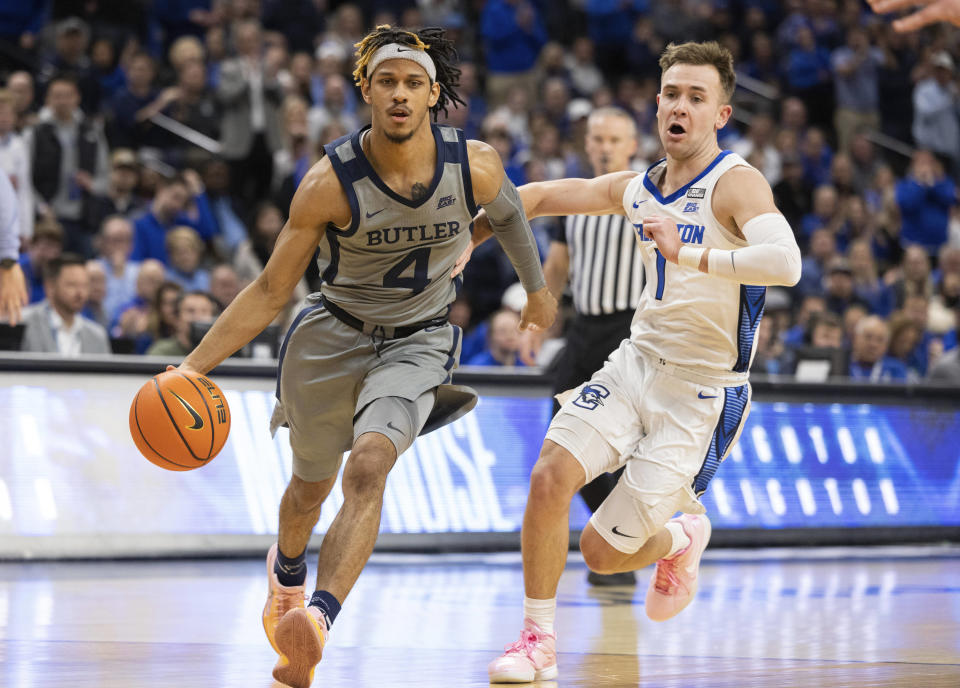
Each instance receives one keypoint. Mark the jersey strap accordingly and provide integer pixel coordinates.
(347, 168)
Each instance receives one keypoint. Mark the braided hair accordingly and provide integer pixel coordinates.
(431, 40)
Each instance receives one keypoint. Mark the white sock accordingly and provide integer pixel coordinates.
(680, 539)
(541, 612)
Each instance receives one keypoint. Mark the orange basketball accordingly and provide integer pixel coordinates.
(179, 420)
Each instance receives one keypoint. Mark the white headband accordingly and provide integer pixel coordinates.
(395, 51)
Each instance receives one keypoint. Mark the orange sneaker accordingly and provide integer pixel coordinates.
(280, 599)
(301, 635)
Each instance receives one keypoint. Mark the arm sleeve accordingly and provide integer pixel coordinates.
(9, 220)
(512, 229)
(771, 259)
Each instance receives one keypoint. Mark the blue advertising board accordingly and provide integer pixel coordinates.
(68, 466)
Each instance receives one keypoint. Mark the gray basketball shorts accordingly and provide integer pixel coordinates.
(329, 373)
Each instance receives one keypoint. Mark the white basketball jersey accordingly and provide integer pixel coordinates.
(703, 324)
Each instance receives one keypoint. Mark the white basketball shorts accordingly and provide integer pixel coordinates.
(671, 432)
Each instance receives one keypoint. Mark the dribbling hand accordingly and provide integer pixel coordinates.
(664, 233)
(540, 310)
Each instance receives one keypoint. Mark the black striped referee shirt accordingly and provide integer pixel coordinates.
(606, 274)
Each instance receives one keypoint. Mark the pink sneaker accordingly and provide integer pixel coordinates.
(675, 581)
(532, 658)
(280, 599)
(301, 635)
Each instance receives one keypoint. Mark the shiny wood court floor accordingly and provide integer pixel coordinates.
(783, 618)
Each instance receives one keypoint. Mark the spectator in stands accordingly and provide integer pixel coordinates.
(120, 197)
(823, 247)
(866, 162)
(936, 110)
(20, 27)
(332, 108)
(943, 304)
(838, 282)
(503, 341)
(55, 324)
(15, 163)
(916, 308)
(94, 309)
(905, 337)
(513, 36)
(105, 68)
(816, 156)
(823, 340)
(115, 245)
(827, 212)
(768, 358)
(810, 305)
(45, 245)
(191, 103)
(71, 38)
(191, 307)
(69, 161)
(184, 18)
(925, 197)
(250, 95)
(20, 85)
(224, 284)
(252, 254)
(793, 194)
(868, 358)
(807, 70)
(131, 319)
(185, 248)
(856, 86)
(759, 140)
(914, 275)
(585, 77)
(134, 105)
(867, 284)
(168, 210)
(226, 211)
(841, 176)
(826, 331)
(947, 368)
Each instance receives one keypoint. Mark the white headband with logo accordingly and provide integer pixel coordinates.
(395, 51)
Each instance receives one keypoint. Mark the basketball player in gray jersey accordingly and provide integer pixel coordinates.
(366, 365)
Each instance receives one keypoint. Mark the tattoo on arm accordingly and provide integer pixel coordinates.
(419, 192)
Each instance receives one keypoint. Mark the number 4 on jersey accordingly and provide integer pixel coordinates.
(420, 258)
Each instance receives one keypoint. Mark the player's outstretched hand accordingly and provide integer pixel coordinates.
(13, 293)
(540, 310)
(664, 233)
(530, 343)
(933, 11)
(462, 261)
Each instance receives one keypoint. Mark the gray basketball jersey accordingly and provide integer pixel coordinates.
(392, 265)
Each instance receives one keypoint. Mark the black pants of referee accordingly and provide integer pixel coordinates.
(590, 339)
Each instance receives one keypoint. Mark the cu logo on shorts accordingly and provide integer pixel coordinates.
(591, 396)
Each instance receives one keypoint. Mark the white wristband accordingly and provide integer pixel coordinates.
(690, 257)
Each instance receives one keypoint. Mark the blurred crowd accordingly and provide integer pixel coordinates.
(155, 147)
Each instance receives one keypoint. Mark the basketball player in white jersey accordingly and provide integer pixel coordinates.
(671, 401)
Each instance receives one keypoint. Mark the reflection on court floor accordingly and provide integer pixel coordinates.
(785, 618)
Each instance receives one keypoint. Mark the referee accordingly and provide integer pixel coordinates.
(599, 257)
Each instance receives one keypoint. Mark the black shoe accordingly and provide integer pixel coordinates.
(608, 579)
